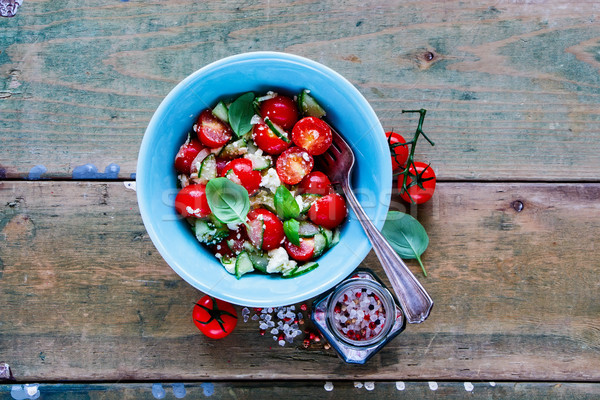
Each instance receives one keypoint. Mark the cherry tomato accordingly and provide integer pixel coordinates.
(267, 141)
(282, 110)
(211, 131)
(328, 211)
(304, 252)
(186, 154)
(293, 165)
(215, 318)
(398, 151)
(420, 183)
(191, 201)
(312, 134)
(244, 174)
(264, 229)
(315, 183)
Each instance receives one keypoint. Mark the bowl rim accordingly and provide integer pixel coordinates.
(385, 176)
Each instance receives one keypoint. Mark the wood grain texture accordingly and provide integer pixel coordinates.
(85, 295)
(277, 390)
(513, 87)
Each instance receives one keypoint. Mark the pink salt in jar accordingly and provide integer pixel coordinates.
(358, 317)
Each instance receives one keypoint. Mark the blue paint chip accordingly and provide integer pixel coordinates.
(90, 171)
(208, 389)
(179, 390)
(36, 172)
(132, 176)
(2, 173)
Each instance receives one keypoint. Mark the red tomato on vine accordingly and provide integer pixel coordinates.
(420, 183)
(398, 149)
(215, 318)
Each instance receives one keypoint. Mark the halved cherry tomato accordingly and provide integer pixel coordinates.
(215, 318)
(186, 154)
(191, 201)
(244, 174)
(398, 151)
(211, 131)
(293, 165)
(264, 229)
(282, 110)
(420, 183)
(315, 183)
(267, 141)
(304, 252)
(328, 211)
(312, 134)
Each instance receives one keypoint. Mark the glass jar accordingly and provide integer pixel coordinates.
(358, 317)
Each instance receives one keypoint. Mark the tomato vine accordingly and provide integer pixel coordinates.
(409, 177)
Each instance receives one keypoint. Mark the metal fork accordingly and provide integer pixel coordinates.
(415, 301)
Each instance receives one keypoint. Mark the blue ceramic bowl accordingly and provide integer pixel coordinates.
(347, 110)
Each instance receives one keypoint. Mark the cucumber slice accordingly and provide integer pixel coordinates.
(307, 229)
(208, 169)
(209, 233)
(220, 111)
(234, 149)
(328, 235)
(263, 199)
(280, 133)
(300, 270)
(259, 162)
(243, 265)
(309, 106)
(336, 238)
(320, 244)
(307, 201)
(259, 260)
(229, 264)
(233, 177)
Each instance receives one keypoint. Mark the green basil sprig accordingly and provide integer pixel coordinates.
(241, 112)
(285, 204)
(228, 201)
(291, 228)
(406, 236)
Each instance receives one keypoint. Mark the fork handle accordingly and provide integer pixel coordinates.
(413, 298)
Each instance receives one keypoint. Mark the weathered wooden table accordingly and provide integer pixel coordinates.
(89, 309)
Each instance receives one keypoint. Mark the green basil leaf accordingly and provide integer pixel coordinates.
(406, 235)
(285, 204)
(241, 112)
(290, 228)
(228, 201)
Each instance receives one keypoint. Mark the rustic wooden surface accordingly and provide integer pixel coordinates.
(502, 79)
(512, 90)
(91, 299)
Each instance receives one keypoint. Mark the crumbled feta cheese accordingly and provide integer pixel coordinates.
(270, 180)
(256, 119)
(279, 261)
(300, 202)
(192, 211)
